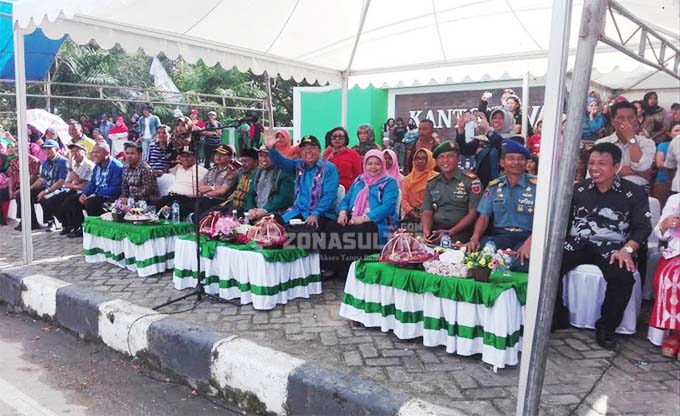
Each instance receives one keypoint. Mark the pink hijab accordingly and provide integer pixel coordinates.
(361, 201)
(394, 170)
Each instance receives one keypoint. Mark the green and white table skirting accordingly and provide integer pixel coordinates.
(146, 249)
(465, 316)
(254, 275)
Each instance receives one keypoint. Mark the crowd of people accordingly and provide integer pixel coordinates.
(477, 187)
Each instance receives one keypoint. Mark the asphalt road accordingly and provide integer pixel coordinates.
(46, 371)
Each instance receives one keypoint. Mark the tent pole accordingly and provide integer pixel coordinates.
(22, 134)
(548, 236)
(270, 101)
(525, 106)
(343, 100)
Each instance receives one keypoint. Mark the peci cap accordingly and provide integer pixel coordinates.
(251, 153)
(309, 141)
(447, 146)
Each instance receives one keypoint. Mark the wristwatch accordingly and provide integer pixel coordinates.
(628, 249)
(632, 141)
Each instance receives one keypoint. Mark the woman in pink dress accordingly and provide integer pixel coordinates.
(666, 312)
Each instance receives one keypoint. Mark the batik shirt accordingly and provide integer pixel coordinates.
(605, 221)
(139, 182)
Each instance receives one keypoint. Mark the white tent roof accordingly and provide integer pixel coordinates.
(402, 42)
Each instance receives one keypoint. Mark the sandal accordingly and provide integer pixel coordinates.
(670, 347)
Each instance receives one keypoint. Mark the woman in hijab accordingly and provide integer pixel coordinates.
(500, 126)
(345, 159)
(392, 165)
(284, 146)
(593, 122)
(369, 212)
(413, 187)
(118, 135)
(656, 123)
(366, 138)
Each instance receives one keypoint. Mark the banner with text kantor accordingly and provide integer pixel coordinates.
(443, 108)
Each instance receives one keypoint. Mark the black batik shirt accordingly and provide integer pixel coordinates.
(606, 221)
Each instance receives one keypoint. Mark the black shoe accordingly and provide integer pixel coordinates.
(51, 227)
(35, 227)
(18, 227)
(78, 232)
(606, 339)
(65, 231)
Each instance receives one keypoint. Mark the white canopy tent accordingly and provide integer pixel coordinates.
(379, 42)
(401, 42)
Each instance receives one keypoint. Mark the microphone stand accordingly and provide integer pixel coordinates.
(199, 290)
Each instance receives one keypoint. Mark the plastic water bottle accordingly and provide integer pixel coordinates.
(246, 220)
(175, 212)
(234, 214)
(131, 202)
(445, 241)
(142, 205)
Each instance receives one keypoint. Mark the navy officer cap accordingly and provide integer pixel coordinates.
(511, 146)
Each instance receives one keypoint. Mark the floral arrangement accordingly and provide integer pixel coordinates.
(117, 210)
(488, 259)
(226, 229)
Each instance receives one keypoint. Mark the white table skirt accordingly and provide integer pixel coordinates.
(152, 257)
(504, 320)
(584, 289)
(246, 275)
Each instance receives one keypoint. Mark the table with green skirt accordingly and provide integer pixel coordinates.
(465, 316)
(263, 277)
(147, 249)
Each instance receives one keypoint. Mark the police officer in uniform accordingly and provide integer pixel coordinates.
(451, 198)
(508, 205)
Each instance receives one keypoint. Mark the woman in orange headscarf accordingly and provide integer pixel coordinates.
(413, 186)
(285, 147)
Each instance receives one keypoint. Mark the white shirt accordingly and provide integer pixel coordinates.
(147, 128)
(648, 153)
(672, 207)
(672, 159)
(184, 180)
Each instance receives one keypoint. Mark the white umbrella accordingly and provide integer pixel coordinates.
(42, 120)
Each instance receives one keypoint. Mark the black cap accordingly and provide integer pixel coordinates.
(310, 141)
(187, 150)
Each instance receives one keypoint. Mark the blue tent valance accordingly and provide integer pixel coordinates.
(39, 49)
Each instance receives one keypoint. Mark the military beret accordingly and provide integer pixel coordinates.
(447, 146)
(510, 146)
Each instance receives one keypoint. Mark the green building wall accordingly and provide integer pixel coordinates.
(321, 111)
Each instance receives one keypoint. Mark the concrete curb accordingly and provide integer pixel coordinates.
(258, 378)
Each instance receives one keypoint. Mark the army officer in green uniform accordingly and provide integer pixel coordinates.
(450, 198)
(508, 204)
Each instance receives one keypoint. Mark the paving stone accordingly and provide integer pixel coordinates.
(368, 351)
(312, 330)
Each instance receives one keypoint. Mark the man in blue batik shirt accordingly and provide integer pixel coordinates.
(104, 186)
(316, 183)
(508, 203)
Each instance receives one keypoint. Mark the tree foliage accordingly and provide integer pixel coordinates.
(89, 64)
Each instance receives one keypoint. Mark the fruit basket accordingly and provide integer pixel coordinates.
(403, 249)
